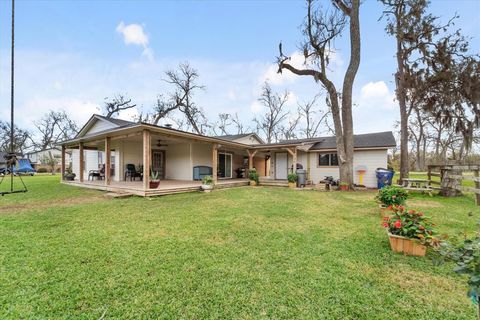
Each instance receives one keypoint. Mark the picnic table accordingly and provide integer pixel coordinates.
(421, 185)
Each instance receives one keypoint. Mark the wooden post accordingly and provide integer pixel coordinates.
(62, 169)
(477, 186)
(146, 159)
(214, 162)
(308, 166)
(80, 151)
(294, 158)
(251, 154)
(107, 161)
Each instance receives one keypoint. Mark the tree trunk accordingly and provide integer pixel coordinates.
(347, 119)
(402, 101)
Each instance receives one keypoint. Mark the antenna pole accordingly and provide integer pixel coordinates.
(12, 96)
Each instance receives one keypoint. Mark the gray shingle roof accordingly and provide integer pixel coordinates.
(119, 122)
(369, 140)
(232, 137)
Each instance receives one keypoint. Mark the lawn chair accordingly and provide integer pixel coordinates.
(132, 173)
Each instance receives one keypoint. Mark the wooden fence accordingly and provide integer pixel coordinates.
(451, 177)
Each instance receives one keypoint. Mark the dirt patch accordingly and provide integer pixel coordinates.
(17, 208)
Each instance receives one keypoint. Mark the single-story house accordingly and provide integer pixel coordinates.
(176, 155)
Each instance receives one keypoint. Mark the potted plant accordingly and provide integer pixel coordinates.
(70, 176)
(390, 196)
(154, 179)
(466, 256)
(409, 231)
(292, 180)
(344, 186)
(207, 183)
(254, 178)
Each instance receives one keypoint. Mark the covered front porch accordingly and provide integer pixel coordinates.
(124, 161)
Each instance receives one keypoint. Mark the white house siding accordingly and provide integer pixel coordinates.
(247, 140)
(91, 162)
(371, 159)
(179, 161)
(201, 155)
(100, 125)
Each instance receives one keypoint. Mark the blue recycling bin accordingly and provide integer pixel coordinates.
(384, 177)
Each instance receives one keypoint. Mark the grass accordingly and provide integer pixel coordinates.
(245, 253)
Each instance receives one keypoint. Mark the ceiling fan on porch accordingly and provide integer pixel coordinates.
(160, 144)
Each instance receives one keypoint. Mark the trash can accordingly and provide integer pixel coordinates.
(301, 178)
(384, 177)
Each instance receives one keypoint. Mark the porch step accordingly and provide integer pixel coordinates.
(118, 195)
(273, 183)
(232, 185)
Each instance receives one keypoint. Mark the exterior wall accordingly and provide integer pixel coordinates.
(91, 162)
(372, 159)
(100, 125)
(201, 155)
(36, 157)
(248, 140)
(178, 161)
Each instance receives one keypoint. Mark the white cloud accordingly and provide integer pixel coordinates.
(378, 95)
(135, 34)
(256, 107)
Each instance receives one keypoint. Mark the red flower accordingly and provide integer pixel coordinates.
(398, 224)
(385, 225)
(420, 214)
(421, 228)
(411, 211)
(401, 208)
(386, 218)
(389, 207)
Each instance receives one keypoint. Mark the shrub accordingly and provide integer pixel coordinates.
(392, 195)
(253, 175)
(410, 224)
(207, 180)
(42, 170)
(466, 257)
(292, 177)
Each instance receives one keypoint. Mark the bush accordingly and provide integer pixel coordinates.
(410, 224)
(207, 180)
(253, 175)
(392, 196)
(466, 257)
(292, 177)
(42, 170)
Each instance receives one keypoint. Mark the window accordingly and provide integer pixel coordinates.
(327, 160)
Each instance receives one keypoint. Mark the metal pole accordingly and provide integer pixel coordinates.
(12, 102)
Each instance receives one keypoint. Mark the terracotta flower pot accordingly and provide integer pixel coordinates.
(344, 187)
(154, 184)
(292, 185)
(410, 247)
(253, 182)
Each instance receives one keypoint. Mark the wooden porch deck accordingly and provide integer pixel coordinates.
(166, 186)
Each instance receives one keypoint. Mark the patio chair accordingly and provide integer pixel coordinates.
(132, 173)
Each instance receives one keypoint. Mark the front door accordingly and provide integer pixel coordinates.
(281, 166)
(158, 162)
(225, 165)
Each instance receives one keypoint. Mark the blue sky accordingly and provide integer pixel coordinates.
(71, 55)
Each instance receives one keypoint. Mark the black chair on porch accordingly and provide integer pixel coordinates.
(132, 173)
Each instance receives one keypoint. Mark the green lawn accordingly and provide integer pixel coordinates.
(245, 253)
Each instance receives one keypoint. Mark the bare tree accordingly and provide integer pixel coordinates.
(289, 130)
(21, 138)
(270, 122)
(184, 82)
(118, 103)
(308, 111)
(321, 28)
(52, 128)
(238, 124)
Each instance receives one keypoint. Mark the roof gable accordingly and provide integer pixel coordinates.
(98, 123)
(245, 138)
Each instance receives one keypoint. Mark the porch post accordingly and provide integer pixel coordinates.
(107, 161)
(62, 168)
(146, 159)
(80, 151)
(294, 160)
(250, 158)
(214, 161)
